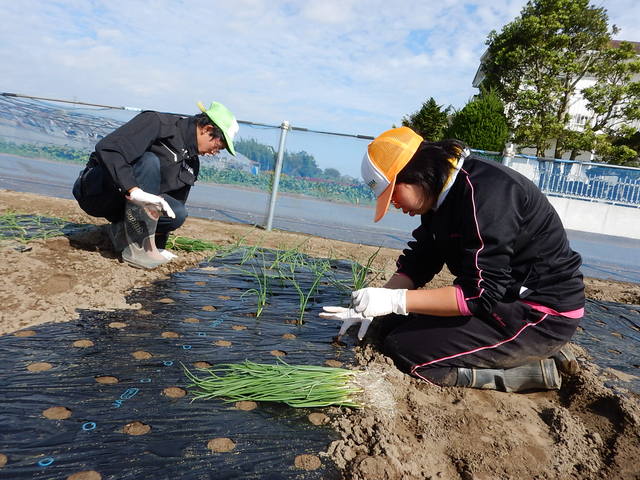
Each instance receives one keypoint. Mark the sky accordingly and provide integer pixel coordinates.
(346, 66)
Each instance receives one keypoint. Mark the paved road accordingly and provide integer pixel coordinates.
(604, 256)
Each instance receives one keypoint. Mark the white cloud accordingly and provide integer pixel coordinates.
(328, 11)
(338, 65)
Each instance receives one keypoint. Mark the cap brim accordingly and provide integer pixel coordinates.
(229, 143)
(382, 204)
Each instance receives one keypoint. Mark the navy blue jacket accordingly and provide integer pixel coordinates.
(171, 137)
(501, 239)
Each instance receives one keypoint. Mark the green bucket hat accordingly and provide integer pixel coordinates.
(224, 119)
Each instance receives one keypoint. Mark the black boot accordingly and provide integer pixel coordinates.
(540, 375)
(117, 236)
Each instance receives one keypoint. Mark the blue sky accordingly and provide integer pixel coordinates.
(333, 65)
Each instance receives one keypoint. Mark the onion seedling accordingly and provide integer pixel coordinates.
(295, 385)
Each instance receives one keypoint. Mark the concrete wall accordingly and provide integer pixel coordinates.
(594, 217)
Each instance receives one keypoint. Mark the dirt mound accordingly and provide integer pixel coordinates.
(427, 432)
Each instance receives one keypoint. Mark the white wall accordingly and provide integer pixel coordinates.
(595, 217)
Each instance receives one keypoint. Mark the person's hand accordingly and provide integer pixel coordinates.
(144, 199)
(375, 302)
(348, 317)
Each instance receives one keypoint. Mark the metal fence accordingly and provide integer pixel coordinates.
(283, 158)
(588, 181)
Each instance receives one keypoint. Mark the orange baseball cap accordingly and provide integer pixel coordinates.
(385, 157)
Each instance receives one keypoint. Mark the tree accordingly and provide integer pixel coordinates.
(300, 164)
(482, 123)
(536, 62)
(430, 121)
(615, 102)
(621, 149)
(331, 174)
(258, 152)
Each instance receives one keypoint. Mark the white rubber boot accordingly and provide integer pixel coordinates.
(140, 228)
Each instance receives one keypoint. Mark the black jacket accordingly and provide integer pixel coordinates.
(497, 234)
(171, 137)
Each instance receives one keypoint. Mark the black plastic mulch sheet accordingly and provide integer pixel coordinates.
(187, 319)
(610, 332)
(27, 227)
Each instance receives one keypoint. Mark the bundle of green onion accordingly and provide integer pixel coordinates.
(187, 244)
(296, 385)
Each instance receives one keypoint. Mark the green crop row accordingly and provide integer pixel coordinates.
(319, 188)
(50, 152)
(326, 190)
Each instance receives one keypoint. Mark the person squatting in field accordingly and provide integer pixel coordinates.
(146, 168)
(518, 293)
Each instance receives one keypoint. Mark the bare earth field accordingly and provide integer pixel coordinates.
(411, 430)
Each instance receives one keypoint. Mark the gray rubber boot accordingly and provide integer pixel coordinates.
(566, 361)
(139, 231)
(540, 375)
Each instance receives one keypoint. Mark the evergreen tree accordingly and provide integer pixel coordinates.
(430, 121)
(331, 174)
(536, 62)
(300, 164)
(258, 152)
(481, 124)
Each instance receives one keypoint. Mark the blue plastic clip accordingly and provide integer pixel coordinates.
(168, 363)
(88, 426)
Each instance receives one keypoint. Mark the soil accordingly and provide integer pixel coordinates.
(57, 413)
(136, 428)
(86, 475)
(408, 429)
(221, 445)
(307, 462)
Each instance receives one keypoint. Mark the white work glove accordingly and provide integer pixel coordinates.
(375, 302)
(348, 317)
(167, 254)
(144, 199)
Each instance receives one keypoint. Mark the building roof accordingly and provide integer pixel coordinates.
(616, 43)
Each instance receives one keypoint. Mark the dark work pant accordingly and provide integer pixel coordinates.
(98, 196)
(432, 348)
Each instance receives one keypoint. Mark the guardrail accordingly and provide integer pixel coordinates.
(590, 181)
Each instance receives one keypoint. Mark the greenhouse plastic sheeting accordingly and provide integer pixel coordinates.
(201, 315)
